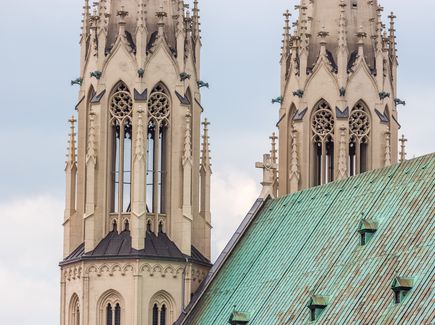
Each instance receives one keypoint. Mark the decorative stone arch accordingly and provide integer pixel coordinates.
(162, 309)
(360, 132)
(158, 151)
(110, 309)
(322, 121)
(74, 310)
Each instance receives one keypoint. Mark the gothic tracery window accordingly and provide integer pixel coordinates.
(359, 128)
(159, 109)
(322, 125)
(121, 110)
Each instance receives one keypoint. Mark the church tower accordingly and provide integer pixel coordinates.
(338, 114)
(137, 219)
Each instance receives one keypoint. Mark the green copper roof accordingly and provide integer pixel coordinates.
(308, 244)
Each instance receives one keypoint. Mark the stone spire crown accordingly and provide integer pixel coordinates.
(326, 14)
(149, 15)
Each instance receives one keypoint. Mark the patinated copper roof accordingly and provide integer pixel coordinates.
(307, 244)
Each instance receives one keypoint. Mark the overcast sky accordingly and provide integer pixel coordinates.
(39, 56)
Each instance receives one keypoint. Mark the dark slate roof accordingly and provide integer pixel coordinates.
(118, 246)
(307, 245)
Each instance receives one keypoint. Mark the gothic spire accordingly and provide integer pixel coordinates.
(393, 50)
(86, 19)
(286, 35)
(196, 25)
(187, 156)
(205, 157)
(388, 148)
(295, 173)
(71, 153)
(342, 159)
(342, 51)
(403, 141)
(91, 152)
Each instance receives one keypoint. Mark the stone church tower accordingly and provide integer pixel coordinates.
(137, 219)
(338, 114)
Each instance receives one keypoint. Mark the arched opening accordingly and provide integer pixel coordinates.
(162, 309)
(74, 311)
(155, 315)
(359, 129)
(163, 315)
(121, 110)
(322, 124)
(110, 310)
(126, 226)
(159, 108)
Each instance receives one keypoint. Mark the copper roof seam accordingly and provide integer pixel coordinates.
(302, 246)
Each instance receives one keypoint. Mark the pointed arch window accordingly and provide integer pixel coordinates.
(74, 313)
(359, 128)
(109, 315)
(159, 108)
(162, 309)
(121, 110)
(322, 125)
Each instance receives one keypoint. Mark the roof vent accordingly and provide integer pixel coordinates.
(367, 229)
(317, 305)
(239, 318)
(401, 287)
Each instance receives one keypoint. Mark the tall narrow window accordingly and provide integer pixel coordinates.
(77, 320)
(158, 121)
(74, 314)
(118, 314)
(359, 128)
(163, 315)
(155, 315)
(109, 315)
(121, 109)
(323, 144)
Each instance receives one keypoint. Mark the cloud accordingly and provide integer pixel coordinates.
(31, 247)
(233, 193)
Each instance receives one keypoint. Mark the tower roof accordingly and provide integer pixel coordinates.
(325, 16)
(152, 7)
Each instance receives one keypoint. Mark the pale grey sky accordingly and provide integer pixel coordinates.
(39, 56)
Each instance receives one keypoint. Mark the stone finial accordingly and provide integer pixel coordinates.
(140, 136)
(388, 148)
(403, 153)
(196, 25)
(161, 15)
(295, 172)
(379, 29)
(92, 151)
(323, 34)
(187, 156)
(286, 35)
(71, 151)
(342, 37)
(86, 19)
(342, 159)
(274, 151)
(392, 37)
(205, 156)
(141, 17)
(268, 171)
